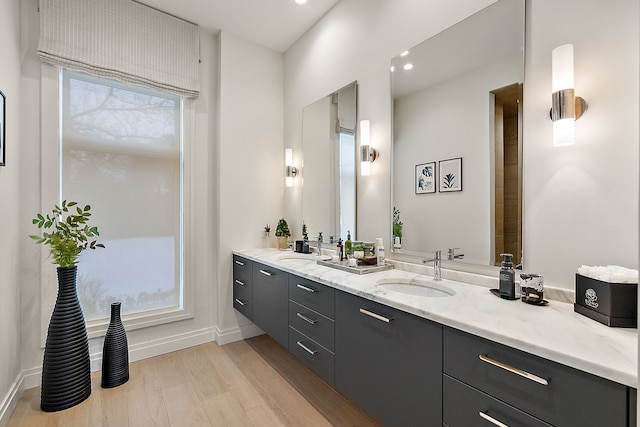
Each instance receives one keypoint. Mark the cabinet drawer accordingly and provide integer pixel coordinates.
(463, 406)
(242, 270)
(242, 289)
(312, 354)
(569, 398)
(311, 323)
(244, 306)
(312, 294)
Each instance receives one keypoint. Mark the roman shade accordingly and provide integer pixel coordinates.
(122, 40)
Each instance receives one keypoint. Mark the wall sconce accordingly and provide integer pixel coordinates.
(290, 170)
(368, 154)
(566, 108)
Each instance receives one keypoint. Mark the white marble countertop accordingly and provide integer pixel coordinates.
(554, 332)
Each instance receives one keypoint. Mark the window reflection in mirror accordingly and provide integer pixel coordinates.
(448, 102)
(329, 164)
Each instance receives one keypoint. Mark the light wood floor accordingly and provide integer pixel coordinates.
(247, 383)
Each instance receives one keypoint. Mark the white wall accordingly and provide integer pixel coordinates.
(10, 368)
(580, 202)
(250, 166)
(142, 342)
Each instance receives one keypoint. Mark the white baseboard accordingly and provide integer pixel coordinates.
(32, 377)
(11, 400)
(237, 333)
(168, 344)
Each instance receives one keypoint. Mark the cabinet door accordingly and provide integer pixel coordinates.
(270, 302)
(389, 362)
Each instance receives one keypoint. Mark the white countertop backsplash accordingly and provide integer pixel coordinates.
(554, 331)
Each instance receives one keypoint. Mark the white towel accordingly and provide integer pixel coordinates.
(610, 273)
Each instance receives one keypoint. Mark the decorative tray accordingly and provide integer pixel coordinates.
(360, 269)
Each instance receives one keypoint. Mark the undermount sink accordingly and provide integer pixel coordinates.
(419, 288)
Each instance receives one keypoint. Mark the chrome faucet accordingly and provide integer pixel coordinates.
(437, 258)
(451, 254)
(320, 244)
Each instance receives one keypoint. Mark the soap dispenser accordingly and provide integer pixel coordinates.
(507, 278)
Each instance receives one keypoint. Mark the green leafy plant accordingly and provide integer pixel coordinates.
(397, 224)
(70, 235)
(282, 229)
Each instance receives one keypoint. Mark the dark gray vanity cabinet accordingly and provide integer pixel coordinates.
(270, 296)
(486, 379)
(311, 325)
(388, 361)
(243, 286)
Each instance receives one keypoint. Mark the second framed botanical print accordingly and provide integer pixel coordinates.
(450, 175)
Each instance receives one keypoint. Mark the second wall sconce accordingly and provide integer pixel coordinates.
(368, 154)
(566, 108)
(290, 170)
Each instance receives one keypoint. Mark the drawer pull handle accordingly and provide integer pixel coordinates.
(305, 288)
(240, 283)
(492, 420)
(240, 302)
(375, 316)
(266, 273)
(513, 370)
(305, 348)
(239, 262)
(306, 319)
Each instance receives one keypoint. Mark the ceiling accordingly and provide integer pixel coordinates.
(276, 24)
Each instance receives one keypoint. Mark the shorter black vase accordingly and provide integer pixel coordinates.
(115, 352)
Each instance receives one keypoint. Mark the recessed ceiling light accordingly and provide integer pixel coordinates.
(393, 68)
(301, 1)
(408, 66)
(405, 53)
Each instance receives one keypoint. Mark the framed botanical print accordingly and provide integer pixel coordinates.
(450, 175)
(425, 178)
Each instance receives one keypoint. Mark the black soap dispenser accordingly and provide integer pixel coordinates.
(507, 278)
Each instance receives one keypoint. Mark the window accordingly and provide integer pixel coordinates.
(121, 152)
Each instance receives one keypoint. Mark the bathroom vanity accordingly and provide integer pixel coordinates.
(458, 359)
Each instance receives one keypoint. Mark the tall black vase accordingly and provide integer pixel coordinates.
(66, 367)
(115, 352)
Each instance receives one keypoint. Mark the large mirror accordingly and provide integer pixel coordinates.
(329, 164)
(457, 139)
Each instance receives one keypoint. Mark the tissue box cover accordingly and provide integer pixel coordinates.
(613, 304)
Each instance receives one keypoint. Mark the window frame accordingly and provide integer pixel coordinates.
(51, 108)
